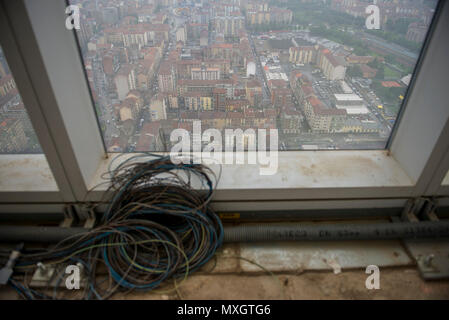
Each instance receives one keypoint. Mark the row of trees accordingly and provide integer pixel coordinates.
(341, 37)
(318, 13)
(389, 95)
(356, 71)
(397, 38)
(315, 13)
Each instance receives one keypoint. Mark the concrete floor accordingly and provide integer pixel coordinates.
(395, 283)
(300, 271)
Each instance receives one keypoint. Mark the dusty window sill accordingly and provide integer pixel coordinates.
(304, 175)
(26, 178)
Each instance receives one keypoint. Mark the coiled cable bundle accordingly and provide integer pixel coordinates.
(158, 225)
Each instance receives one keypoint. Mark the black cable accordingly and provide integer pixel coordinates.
(158, 226)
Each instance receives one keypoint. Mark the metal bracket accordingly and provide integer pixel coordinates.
(410, 209)
(69, 216)
(78, 213)
(42, 276)
(428, 211)
(431, 256)
(87, 214)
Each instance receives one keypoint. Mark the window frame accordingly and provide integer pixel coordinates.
(54, 85)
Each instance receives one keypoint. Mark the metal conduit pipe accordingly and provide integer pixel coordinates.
(304, 232)
(37, 234)
(266, 232)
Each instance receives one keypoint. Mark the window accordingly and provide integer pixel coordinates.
(56, 72)
(16, 132)
(326, 75)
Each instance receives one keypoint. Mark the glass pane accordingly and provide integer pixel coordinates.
(16, 133)
(446, 179)
(326, 74)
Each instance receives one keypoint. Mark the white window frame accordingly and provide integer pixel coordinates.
(45, 60)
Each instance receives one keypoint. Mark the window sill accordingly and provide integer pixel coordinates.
(26, 178)
(444, 189)
(446, 180)
(304, 175)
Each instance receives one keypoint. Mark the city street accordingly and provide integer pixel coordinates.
(104, 102)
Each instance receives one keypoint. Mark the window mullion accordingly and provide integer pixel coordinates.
(421, 139)
(50, 56)
(24, 83)
(438, 166)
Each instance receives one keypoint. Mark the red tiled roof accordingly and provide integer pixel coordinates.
(149, 131)
(390, 84)
(189, 115)
(203, 82)
(269, 113)
(223, 45)
(308, 90)
(235, 115)
(314, 101)
(237, 102)
(278, 83)
(219, 91)
(319, 108)
(254, 83)
(186, 126)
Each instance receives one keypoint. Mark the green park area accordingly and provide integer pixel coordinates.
(390, 73)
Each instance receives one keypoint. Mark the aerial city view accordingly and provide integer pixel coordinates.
(311, 69)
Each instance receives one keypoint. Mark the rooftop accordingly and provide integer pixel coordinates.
(347, 97)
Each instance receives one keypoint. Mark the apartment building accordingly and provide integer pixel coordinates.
(320, 118)
(167, 77)
(125, 81)
(7, 84)
(205, 73)
(195, 101)
(303, 54)
(229, 26)
(332, 67)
